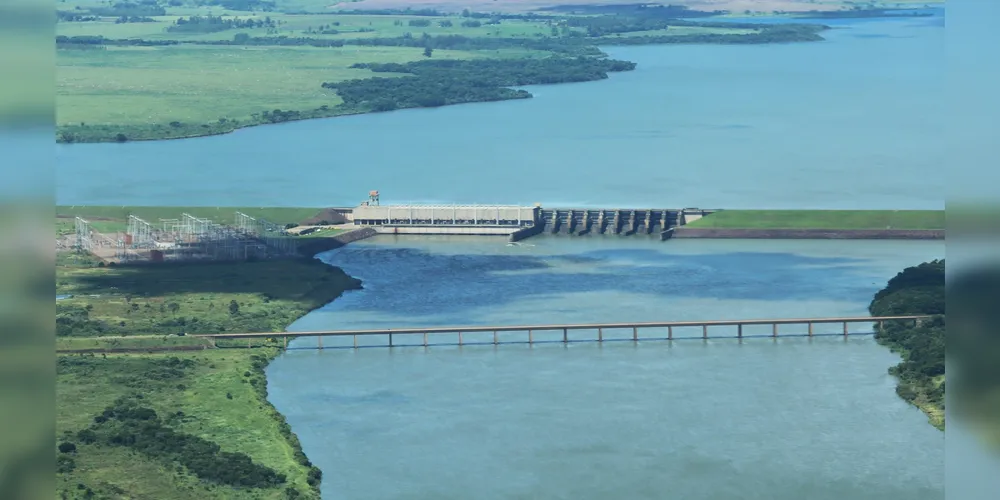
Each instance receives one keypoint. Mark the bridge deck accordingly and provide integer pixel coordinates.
(566, 327)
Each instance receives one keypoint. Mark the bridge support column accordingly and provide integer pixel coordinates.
(670, 333)
(845, 330)
(355, 341)
(495, 337)
(704, 331)
(635, 334)
(774, 330)
(319, 341)
(810, 329)
(565, 335)
(390, 340)
(425, 339)
(739, 331)
(530, 340)
(459, 338)
(285, 342)
(600, 334)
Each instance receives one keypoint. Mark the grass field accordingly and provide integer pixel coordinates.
(216, 403)
(823, 219)
(192, 298)
(221, 397)
(201, 84)
(111, 219)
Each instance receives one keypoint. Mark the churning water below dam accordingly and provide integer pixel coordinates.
(760, 419)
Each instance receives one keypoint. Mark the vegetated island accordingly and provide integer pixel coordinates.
(174, 76)
(921, 373)
(865, 224)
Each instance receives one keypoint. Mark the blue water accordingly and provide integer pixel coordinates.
(852, 122)
(762, 419)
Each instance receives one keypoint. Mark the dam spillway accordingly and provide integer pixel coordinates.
(520, 222)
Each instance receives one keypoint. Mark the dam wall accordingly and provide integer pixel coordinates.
(619, 221)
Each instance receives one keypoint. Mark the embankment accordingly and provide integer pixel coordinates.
(312, 246)
(816, 234)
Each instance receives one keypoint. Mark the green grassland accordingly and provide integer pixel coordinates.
(219, 399)
(822, 219)
(126, 92)
(192, 84)
(216, 395)
(114, 218)
(192, 297)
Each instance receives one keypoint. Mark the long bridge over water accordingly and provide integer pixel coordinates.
(596, 332)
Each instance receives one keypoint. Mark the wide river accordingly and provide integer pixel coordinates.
(846, 123)
(762, 419)
(853, 122)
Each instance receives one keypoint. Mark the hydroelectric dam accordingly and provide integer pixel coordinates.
(519, 222)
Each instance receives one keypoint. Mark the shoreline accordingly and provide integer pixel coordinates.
(89, 379)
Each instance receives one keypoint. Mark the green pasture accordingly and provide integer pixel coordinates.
(823, 219)
(141, 86)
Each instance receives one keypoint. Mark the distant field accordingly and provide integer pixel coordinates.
(154, 214)
(823, 219)
(200, 84)
(685, 30)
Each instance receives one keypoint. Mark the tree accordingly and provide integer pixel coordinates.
(174, 307)
(66, 447)
(428, 51)
(234, 308)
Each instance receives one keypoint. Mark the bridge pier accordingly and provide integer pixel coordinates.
(600, 334)
(704, 331)
(570, 222)
(319, 341)
(810, 329)
(670, 333)
(845, 330)
(739, 331)
(565, 335)
(774, 330)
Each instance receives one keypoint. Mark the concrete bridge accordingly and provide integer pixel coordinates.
(596, 332)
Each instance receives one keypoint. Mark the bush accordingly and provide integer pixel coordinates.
(67, 447)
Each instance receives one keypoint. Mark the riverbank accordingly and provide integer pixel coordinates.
(919, 220)
(208, 407)
(187, 72)
(921, 373)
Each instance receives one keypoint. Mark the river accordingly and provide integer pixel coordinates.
(852, 122)
(846, 123)
(762, 419)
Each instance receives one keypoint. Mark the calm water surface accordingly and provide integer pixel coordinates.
(796, 126)
(761, 419)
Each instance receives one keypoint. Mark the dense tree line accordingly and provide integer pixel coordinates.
(916, 290)
(773, 34)
(134, 19)
(140, 8)
(460, 42)
(241, 5)
(67, 16)
(444, 82)
(128, 424)
(212, 24)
